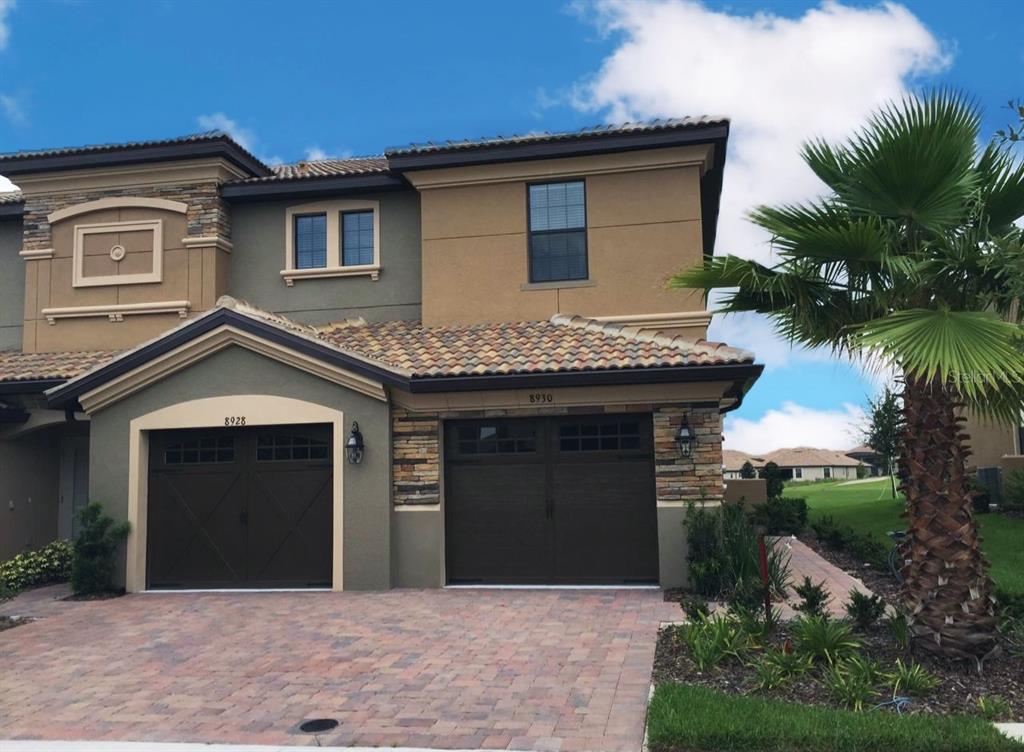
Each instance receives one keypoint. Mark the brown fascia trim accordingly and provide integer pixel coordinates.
(12, 210)
(13, 164)
(311, 187)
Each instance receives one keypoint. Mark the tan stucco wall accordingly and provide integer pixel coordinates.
(643, 225)
(989, 442)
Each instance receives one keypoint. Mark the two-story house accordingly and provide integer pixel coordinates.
(453, 363)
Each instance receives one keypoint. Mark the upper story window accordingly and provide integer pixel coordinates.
(311, 241)
(558, 231)
(332, 239)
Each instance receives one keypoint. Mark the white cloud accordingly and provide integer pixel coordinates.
(315, 154)
(6, 185)
(218, 121)
(13, 109)
(780, 80)
(795, 425)
(6, 6)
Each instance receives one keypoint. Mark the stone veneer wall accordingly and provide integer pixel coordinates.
(416, 457)
(699, 476)
(207, 213)
(417, 467)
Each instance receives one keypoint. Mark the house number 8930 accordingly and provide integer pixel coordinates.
(541, 397)
(234, 420)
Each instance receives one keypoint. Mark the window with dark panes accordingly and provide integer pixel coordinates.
(311, 241)
(213, 449)
(599, 437)
(356, 238)
(510, 438)
(558, 231)
(282, 447)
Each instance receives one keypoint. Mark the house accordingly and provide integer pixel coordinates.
(457, 362)
(799, 463)
(873, 462)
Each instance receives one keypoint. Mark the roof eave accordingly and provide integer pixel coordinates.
(310, 187)
(14, 164)
(12, 209)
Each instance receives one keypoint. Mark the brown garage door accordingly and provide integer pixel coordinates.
(240, 508)
(551, 500)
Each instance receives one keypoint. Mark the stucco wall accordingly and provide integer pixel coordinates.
(989, 442)
(240, 371)
(29, 491)
(12, 285)
(258, 258)
(818, 473)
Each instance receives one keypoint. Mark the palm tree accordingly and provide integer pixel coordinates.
(911, 259)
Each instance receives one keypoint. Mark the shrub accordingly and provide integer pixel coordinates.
(768, 675)
(776, 667)
(1012, 629)
(911, 679)
(712, 639)
(994, 708)
(1013, 490)
(823, 639)
(864, 610)
(869, 549)
(747, 470)
(783, 515)
(92, 565)
(704, 550)
(773, 479)
(899, 628)
(51, 563)
(813, 597)
(851, 681)
(831, 533)
(694, 606)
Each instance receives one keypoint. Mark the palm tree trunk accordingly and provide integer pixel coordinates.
(947, 593)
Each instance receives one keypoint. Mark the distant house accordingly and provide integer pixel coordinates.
(869, 457)
(798, 463)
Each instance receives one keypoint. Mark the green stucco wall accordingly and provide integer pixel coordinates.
(241, 371)
(258, 235)
(12, 285)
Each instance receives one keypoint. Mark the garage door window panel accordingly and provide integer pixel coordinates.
(600, 436)
(499, 438)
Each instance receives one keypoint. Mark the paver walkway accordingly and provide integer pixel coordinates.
(538, 670)
(804, 561)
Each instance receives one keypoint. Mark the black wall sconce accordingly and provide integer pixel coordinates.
(684, 439)
(354, 446)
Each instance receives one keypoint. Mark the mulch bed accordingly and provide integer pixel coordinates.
(94, 596)
(7, 622)
(958, 692)
(878, 581)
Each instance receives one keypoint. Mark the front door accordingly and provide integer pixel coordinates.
(240, 508)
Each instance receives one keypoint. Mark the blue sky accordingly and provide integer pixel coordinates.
(300, 79)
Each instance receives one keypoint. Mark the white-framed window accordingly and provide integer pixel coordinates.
(798, 472)
(332, 239)
(828, 472)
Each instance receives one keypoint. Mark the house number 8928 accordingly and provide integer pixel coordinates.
(234, 420)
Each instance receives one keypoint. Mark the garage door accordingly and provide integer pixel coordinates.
(565, 500)
(240, 508)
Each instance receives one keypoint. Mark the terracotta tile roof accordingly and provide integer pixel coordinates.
(733, 459)
(809, 457)
(18, 366)
(323, 168)
(560, 345)
(647, 126)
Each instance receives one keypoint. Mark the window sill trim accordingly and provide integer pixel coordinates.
(529, 286)
(291, 275)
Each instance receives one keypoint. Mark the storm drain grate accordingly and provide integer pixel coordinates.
(318, 725)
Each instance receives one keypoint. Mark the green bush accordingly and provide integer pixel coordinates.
(51, 563)
(911, 679)
(704, 545)
(1013, 490)
(852, 681)
(813, 597)
(712, 639)
(92, 565)
(864, 610)
(824, 639)
(783, 515)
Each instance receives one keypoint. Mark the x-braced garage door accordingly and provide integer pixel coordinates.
(240, 508)
(562, 500)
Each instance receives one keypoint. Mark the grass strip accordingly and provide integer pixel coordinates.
(685, 717)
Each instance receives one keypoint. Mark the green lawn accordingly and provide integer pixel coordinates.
(869, 508)
(684, 717)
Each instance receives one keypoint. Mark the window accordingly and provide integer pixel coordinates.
(507, 438)
(828, 472)
(332, 239)
(311, 241)
(213, 449)
(798, 472)
(276, 447)
(356, 238)
(558, 234)
(599, 437)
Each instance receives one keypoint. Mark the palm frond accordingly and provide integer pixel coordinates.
(975, 350)
(1002, 187)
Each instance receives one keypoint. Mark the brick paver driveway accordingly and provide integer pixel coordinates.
(513, 669)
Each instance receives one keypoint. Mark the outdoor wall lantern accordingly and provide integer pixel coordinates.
(354, 446)
(684, 440)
